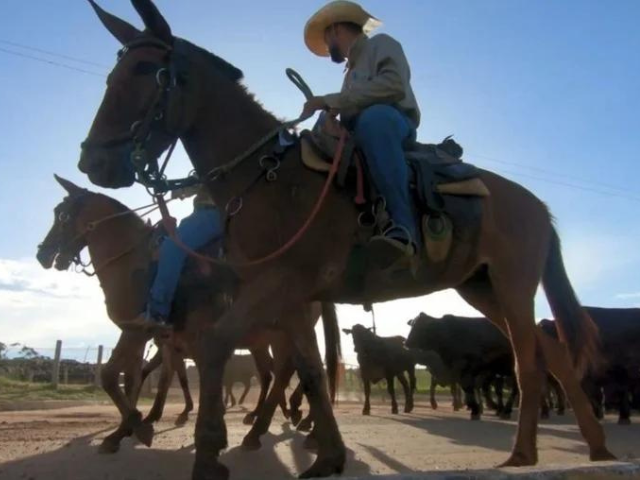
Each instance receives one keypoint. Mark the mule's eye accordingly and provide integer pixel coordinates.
(63, 217)
(145, 68)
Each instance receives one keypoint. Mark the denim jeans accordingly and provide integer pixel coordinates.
(380, 132)
(201, 227)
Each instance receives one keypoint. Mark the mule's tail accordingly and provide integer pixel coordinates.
(333, 349)
(574, 325)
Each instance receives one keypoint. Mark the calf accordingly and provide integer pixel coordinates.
(620, 341)
(383, 358)
(239, 369)
(471, 349)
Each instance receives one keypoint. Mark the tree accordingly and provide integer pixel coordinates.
(3, 350)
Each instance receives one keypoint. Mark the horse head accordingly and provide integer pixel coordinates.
(151, 97)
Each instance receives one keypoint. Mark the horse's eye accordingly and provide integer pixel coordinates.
(63, 217)
(145, 68)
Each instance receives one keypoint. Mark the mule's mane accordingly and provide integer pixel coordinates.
(223, 67)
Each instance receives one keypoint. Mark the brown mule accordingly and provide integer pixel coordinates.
(497, 271)
(79, 223)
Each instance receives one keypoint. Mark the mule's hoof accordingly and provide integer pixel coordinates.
(251, 443)
(624, 421)
(310, 443)
(248, 419)
(434, 406)
(602, 455)
(408, 408)
(394, 411)
(304, 426)
(109, 447)
(519, 460)
(325, 467)
(504, 416)
(366, 413)
(295, 416)
(475, 417)
(182, 419)
(144, 433)
(209, 471)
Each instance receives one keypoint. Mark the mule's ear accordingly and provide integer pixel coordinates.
(347, 331)
(153, 20)
(71, 188)
(123, 31)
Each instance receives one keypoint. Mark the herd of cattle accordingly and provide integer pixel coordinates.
(472, 355)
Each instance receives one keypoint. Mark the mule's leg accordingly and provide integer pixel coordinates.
(284, 370)
(432, 393)
(166, 377)
(295, 402)
(391, 388)
(129, 349)
(247, 387)
(366, 410)
(408, 393)
(233, 398)
(331, 450)
(181, 370)
(264, 365)
(560, 365)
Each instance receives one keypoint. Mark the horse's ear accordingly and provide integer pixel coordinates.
(71, 188)
(121, 30)
(411, 322)
(153, 20)
(347, 331)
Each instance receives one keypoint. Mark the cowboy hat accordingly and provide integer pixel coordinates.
(335, 12)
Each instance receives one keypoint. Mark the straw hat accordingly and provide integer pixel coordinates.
(335, 12)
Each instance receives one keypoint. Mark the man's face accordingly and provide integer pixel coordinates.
(332, 39)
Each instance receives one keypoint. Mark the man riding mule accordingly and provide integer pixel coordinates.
(294, 240)
(377, 103)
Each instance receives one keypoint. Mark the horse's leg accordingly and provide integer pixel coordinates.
(264, 365)
(560, 365)
(391, 388)
(366, 410)
(295, 402)
(408, 393)
(432, 393)
(164, 383)
(181, 370)
(247, 387)
(130, 345)
(331, 450)
(230, 393)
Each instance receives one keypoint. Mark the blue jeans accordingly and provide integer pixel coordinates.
(380, 131)
(201, 227)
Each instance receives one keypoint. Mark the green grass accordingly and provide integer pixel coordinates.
(15, 390)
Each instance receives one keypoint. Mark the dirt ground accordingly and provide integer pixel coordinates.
(62, 444)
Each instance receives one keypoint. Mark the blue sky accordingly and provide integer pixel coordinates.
(546, 93)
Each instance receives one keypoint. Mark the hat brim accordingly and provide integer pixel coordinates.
(335, 12)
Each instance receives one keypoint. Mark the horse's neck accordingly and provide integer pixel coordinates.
(117, 272)
(222, 132)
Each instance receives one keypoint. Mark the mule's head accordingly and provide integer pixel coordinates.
(151, 97)
(72, 224)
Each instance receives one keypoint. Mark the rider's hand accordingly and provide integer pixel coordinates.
(313, 105)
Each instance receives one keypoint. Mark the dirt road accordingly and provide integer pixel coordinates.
(62, 444)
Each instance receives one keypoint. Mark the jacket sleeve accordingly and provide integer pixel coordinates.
(386, 86)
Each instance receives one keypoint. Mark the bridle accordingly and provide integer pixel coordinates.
(72, 244)
(168, 79)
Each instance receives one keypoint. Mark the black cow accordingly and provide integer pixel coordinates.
(472, 349)
(383, 358)
(620, 346)
(239, 369)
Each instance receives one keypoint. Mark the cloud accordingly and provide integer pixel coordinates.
(628, 296)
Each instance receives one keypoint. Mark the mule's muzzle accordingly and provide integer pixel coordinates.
(108, 168)
(46, 255)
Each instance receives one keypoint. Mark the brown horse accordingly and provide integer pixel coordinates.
(163, 88)
(119, 246)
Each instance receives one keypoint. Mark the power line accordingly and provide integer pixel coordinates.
(51, 62)
(54, 54)
(556, 174)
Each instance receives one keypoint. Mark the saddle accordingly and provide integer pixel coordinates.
(446, 191)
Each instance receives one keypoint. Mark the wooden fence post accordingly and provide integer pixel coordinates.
(65, 374)
(55, 376)
(97, 379)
